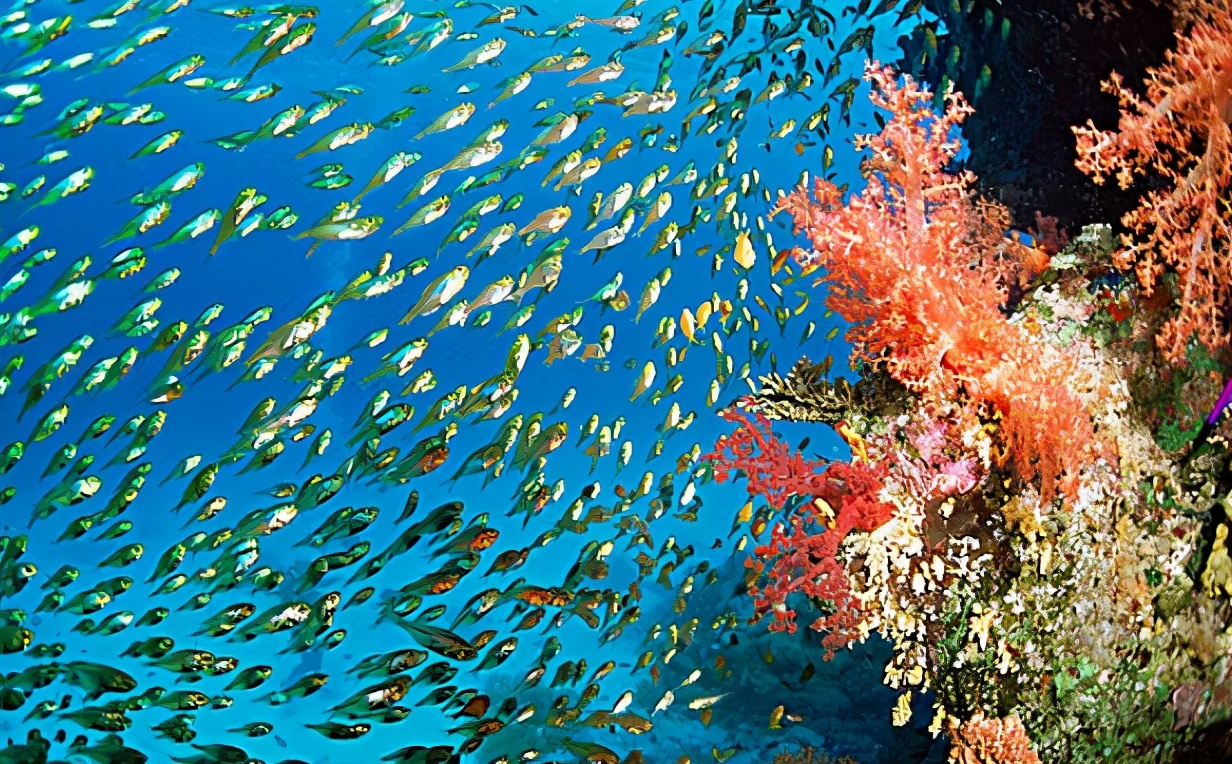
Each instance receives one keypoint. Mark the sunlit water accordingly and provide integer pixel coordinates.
(843, 709)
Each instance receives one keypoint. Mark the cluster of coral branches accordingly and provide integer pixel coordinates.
(801, 556)
(913, 267)
(1180, 134)
(922, 271)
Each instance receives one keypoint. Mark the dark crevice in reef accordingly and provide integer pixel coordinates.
(1045, 77)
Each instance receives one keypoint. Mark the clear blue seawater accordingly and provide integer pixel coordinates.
(843, 709)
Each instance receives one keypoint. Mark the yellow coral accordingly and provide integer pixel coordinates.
(1218, 574)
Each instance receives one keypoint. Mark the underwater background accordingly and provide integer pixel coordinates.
(843, 707)
(432, 381)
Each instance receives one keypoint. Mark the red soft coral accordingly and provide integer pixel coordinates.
(802, 554)
(914, 265)
(1179, 132)
(773, 470)
(805, 560)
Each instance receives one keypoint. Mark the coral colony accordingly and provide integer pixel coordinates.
(1043, 545)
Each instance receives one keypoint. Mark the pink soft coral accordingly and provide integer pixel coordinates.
(921, 271)
(934, 473)
(1180, 133)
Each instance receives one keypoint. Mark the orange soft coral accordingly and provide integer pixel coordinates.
(913, 264)
(1179, 132)
(992, 741)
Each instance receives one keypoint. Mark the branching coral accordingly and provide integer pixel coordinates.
(802, 554)
(914, 265)
(1179, 132)
(1074, 626)
(772, 469)
(806, 394)
(811, 756)
(805, 559)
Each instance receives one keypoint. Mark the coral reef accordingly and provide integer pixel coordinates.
(1035, 510)
(992, 741)
(894, 256)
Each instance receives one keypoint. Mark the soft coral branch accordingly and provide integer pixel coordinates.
(992, 741)
(802, 554)
(1179, 131)
(772, 469)
(913, 265)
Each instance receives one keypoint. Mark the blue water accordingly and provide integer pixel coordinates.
(843, 710)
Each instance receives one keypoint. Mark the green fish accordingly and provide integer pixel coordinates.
(176, 71)
(75, 183)
(190, 230)
(395, 118)
(245, 202)
(332, 182)
(466, 226)
(177, 183)
(343, 136)
(159, 144)
(392, 167)
(343, 230)
(148, 218)
(455, 117)
(484, 54)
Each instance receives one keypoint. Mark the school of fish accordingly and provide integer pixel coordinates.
(429, 570)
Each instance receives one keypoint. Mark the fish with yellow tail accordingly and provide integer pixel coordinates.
(604, 240)
(484, 54)
(563, 126)
(512, 87)
(600, 74)
(377, 14)
(543, 276)
(474, 156)
(421, 187)
(392, 167)
(151, 216)
(245, 202)
(177, 71)
(296, 39)
(613, 204)
(343, 136)
(650, 295)
(426, 215)
(496, 292)
(660, 208)
(428, 38)
(622, 24)
(265, 37)
(341, 230)
(594, 753)
(667, 235)
(644, 381)
(493, 240)
(437, 294)
(455, 117)
(579, 174)
(564, 165)
(396, 25)
(549, 221)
